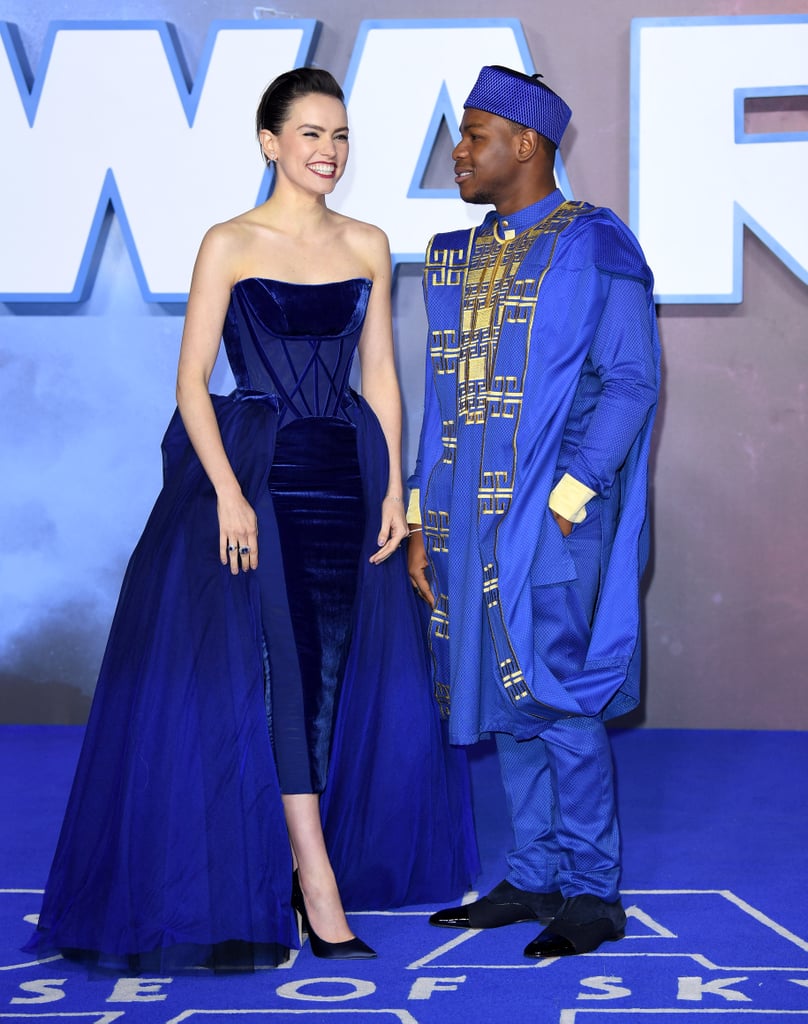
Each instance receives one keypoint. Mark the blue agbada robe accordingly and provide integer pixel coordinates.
(543, 359)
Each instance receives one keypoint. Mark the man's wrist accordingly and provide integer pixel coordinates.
(569, 497)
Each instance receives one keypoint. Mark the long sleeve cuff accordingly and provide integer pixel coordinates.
(569, 497)
(414, 506)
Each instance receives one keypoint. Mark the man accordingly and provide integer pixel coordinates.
(531, 492)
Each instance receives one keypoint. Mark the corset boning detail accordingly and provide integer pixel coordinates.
(296, 343)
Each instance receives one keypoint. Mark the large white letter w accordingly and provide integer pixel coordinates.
(111, 119)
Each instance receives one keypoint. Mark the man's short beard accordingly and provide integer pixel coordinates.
(480, 198)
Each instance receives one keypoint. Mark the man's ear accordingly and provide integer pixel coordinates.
(527, 144)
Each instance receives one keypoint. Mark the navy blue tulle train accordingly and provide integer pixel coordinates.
(219, 692)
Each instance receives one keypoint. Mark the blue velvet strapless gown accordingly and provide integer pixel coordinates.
(218, 692)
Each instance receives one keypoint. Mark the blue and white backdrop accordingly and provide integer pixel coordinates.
(123, 140)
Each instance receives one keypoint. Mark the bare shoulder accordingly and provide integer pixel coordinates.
(234, 233)
(222, 239)
(366, 234)
(369, 243)
(224, 245)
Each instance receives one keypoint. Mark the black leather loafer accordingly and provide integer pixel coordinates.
(504, 905)
(581, 925)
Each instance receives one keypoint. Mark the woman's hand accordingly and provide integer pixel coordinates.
(417, 564)
(238, 533)
(393, 529)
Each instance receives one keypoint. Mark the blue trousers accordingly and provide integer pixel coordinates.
(560, 785)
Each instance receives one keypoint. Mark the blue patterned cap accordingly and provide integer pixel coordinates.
(520, 98)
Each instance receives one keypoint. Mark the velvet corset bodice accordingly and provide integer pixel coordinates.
(295, 342)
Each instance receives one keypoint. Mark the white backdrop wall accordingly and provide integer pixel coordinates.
(123, 140)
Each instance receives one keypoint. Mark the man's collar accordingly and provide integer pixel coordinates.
(507, 226)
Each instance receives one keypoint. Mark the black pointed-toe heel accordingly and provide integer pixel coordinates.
(350, 949)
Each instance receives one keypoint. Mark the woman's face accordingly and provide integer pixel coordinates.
(312, 148)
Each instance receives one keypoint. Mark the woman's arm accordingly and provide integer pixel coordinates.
(213, 277)
(380, 388)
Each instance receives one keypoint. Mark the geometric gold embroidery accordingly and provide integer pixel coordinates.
(495, 492)
(436, 530)
(512, 679)
(439, 620)
(504, 397)
(475, 368)
(440, 624)
(444, 350)
(449, 441)
(442, 267)
(493, 295)
(490, 585)
(443, 697)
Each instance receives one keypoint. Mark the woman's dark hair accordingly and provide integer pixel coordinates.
(279, 95)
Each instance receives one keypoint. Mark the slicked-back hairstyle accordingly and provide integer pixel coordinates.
(276, 103)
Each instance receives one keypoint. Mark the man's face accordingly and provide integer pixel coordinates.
(485, 159)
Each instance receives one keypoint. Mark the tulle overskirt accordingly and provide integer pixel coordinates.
(174, 848)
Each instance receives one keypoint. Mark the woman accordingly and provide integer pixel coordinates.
(246, 675)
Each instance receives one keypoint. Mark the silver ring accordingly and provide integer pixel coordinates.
(232, 547)
(244, 551)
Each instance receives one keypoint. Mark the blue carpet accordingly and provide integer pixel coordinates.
(715, 834)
